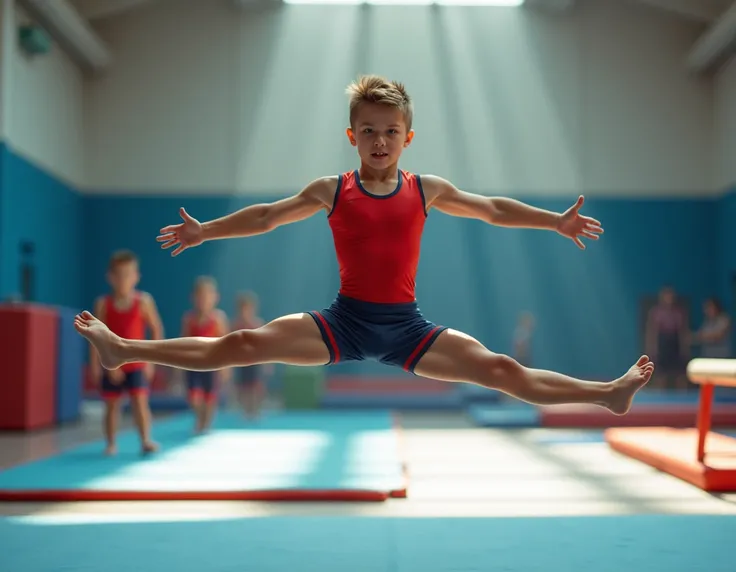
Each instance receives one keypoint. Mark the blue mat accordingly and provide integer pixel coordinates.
(336, 452)
(504, 415)
(449, 400)
(343, 544)
(569, 437)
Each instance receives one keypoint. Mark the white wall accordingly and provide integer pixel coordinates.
(203, 98)
(46, 102)
(725, 121)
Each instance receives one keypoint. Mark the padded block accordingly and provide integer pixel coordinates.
(505, 415)
(70, 367)
(28, 351)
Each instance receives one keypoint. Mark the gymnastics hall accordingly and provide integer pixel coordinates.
(117, 114)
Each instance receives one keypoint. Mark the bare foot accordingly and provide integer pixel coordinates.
(99, 335)
(625, 387)
(149, 447)
(111, 451)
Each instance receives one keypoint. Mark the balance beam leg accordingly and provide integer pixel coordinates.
(704, 412)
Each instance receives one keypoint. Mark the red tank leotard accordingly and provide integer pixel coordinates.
(129, 323)
(378, 238)
(206, 328)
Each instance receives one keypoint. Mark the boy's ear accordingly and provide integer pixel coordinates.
(409, 137)
(351, 136)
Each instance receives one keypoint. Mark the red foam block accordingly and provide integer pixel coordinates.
(643, 415)
(674, 451)
(28, 352)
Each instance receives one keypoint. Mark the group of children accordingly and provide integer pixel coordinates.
(133, 314)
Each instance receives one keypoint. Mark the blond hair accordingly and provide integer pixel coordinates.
(246, 298)
(205, 282)
(121, 257)
(377, 89)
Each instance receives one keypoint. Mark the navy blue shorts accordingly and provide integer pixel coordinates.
(393, 334)
(134, 382)
(201, 382)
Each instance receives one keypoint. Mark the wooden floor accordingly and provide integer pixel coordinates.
(456, 469)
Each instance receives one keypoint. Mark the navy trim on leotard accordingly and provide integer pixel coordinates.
(337, 195)
(421, 192)
(367, 192)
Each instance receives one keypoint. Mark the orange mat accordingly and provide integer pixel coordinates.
(674, 451)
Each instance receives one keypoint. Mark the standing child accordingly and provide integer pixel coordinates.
(127, 312)
(205, 320)
(249, 379)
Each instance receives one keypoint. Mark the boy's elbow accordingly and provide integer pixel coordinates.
(266, 220)
(491, 213)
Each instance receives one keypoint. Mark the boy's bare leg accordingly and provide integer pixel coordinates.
(142, 418)
(209, 406)
(455, 356)
(293, 339)
(112, 419)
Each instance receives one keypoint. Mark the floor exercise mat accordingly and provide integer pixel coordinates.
(342, 456)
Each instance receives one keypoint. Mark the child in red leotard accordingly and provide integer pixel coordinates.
(249, 379)
(205, 320)
(128, 313)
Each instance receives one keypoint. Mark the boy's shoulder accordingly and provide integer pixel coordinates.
(101, 301)
(145, 297)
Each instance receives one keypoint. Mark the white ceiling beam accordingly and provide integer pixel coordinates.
(71, 31)
(719, 39)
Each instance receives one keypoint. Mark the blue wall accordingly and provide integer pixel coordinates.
(472, 277)
(38, 208)
(726, 246)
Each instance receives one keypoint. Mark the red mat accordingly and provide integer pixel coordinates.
(674, 451)
(641, 415)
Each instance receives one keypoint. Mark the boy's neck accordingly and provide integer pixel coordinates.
(381, 175)
(122, 296)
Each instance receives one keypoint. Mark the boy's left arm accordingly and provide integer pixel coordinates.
(153, 321)
(501, 211)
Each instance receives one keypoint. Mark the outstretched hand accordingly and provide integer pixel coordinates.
(573, 225)
(183, 235)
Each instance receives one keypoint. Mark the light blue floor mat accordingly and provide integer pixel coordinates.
(325, 451)
(361, 544)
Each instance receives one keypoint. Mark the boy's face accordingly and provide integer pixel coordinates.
(205, 298)
(380, 134)
(124, 277)
(247, 309)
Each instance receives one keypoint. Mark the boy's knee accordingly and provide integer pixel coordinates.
(503, 369)
(241, 347)
(504, 363)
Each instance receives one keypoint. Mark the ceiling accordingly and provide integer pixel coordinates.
(699, 10)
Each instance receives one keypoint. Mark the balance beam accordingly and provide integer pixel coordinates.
(682, 452)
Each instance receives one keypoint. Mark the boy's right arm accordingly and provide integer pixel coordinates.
(259, 219)
(253, 220)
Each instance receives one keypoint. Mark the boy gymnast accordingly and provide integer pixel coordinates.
(377, 215)
(205, 319)
(127, 312)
